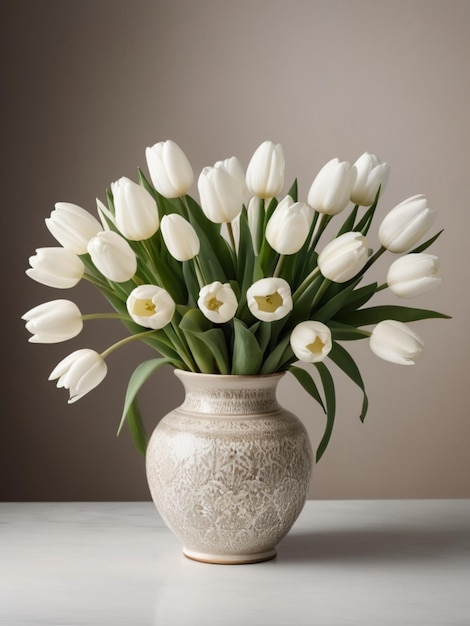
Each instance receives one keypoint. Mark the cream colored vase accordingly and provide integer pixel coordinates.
(229, 469)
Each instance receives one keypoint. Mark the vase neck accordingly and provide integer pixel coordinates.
(229, 395)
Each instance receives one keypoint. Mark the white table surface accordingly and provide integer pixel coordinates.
(344, 563)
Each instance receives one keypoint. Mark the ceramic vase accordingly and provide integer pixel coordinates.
(229, 469)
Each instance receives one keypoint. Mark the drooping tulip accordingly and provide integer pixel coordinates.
(311, 341)
(269, 299)
(56, 267)
(218, 302)
(331, 189)
(113, 256)
(80, 372)
(220, 194)
(136, 211)
(265, 171)
(405, 224)
(371, 174)
(170, 171)
(289, 225)
(343, 257)
(414, 274)
(180, 237)
(395, 342)
(72, 226)
(150, 306)
(54, 321)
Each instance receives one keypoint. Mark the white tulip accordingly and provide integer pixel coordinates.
(218, 302)
(269, 299)
(233, 166)
(343, 257)
(113, 256)
(56, 267)
(54, 321)
(265, 171)
(395, 342)
(220, 195)
(180, 237)
(331, 190)
(170, 171)
(72, 226)
(405, 224)
(414, 274)
(136, 211)
(150, 306)
(311, 341)
(289, 226)
(371, 174)
(80, 372)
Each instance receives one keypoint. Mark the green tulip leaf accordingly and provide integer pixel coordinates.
(345, 362)
(307, 382)
(330, 399)
(247, 355)
(137, 428)
(426, 244)
(376, 314)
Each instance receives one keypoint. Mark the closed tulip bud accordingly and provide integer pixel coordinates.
(233, 166)
(343, 257)
(331, 190)
(395, 342)
(80, 372)
(170, 171)
(54, 321)
(218, 302)
(72, 226)
(371, 174)
(289, 225)
(269, 299)
(311, 341)
(220, 195)
(150, 306)
(265, 171)
(180, 237)
(405, 224)
(136, 212)
(414, 274)
(56, 267)
(113, 256)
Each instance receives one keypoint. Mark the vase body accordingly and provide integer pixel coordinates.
(229, 469)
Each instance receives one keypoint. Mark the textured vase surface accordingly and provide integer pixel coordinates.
(229, 469)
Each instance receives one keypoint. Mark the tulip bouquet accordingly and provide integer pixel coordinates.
(239, 282)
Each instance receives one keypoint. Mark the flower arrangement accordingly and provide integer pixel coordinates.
(240, 282)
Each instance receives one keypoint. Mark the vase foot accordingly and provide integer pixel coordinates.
(229, 559)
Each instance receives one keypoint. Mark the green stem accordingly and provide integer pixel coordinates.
(232, 238)
(279, 265)
(305, 283)
(320, 292)
(125, 341)
(322, 224)
(104, 316)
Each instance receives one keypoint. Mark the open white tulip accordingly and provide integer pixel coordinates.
(150, 306)
(269, 299)
(414, 274)
(54, 321)
(218, 302)
(405, 224)
(56, 267)
(395, 342)
(331, 190)
(265, 171)
(80, 372)
(113, 256)
(343, 257)
(170, 171)
(289, 225)
(371, 174)
(72, 226)
(136, 211)
(311, 341)
(180, 237)
(220, 194)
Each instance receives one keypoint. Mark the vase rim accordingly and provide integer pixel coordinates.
(188, 374)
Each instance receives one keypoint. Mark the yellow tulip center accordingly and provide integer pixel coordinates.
(316, 346)
(269, 303)
(214, 304)
(144, 308)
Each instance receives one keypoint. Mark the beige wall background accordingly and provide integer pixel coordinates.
(87, 85)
